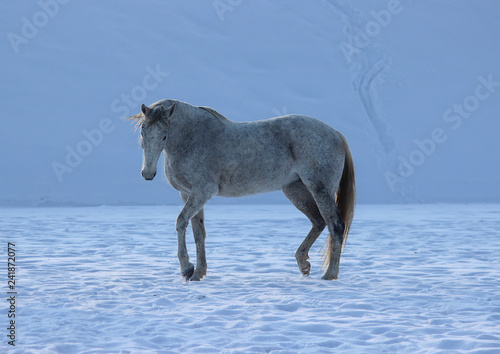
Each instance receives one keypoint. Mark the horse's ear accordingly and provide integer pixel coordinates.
(145, 110)
(170, 110)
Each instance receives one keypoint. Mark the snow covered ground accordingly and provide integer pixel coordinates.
(414, 278)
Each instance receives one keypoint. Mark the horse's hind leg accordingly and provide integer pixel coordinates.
(325, 201)
(298, 194)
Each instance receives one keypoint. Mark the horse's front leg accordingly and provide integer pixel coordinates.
(194, 203)
(197, 222)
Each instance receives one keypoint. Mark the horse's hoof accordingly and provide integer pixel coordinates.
(199, 273)
(188, 272)
(330, 277)
(306, 269)
(196, 276)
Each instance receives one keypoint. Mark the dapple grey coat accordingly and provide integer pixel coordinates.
(208, 155)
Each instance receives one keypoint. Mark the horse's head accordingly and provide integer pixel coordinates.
(154, 129)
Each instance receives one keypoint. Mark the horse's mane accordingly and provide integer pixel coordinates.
(140, 119)
(216, 114)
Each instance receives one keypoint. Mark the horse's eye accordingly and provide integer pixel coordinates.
(164, 137)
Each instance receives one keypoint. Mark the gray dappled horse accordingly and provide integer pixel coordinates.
(208, 155)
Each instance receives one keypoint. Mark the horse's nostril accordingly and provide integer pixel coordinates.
(154, 175)
(142, 173)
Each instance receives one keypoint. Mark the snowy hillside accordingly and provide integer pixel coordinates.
(413, 85)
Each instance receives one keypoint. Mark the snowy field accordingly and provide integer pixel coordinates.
(414, 278)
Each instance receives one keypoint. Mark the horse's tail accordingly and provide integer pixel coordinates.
(345, 200)
(346, 194)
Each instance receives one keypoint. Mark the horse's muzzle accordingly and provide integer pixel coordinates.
(148, 176)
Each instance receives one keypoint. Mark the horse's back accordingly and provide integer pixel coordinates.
(310, 133)
(266, 155)
(306, 139)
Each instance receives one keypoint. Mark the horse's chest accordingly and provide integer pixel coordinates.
(175, 177)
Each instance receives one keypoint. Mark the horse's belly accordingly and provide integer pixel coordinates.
(253, 182)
